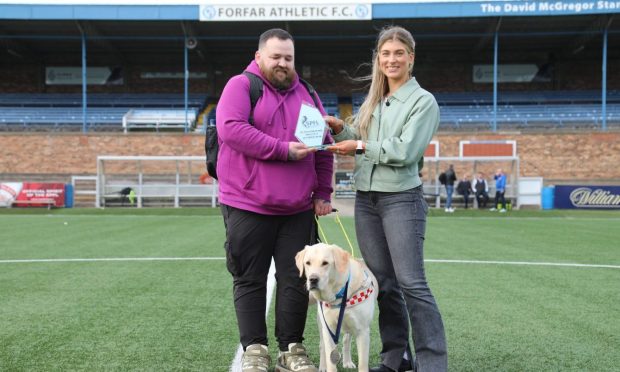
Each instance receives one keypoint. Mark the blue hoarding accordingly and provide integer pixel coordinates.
(587, 197)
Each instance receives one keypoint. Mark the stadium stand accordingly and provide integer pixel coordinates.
(158, 119)
(527, 116)
(356, 100)
(457, 54)
(526, 97)
(531, 109)
(100, 100)
(57, 118)
(62, 111)
(330, 103)
(329, 100)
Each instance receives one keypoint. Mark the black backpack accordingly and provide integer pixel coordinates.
(212, 145)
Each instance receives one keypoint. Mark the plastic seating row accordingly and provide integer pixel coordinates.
(529, 115)
(477, 99)
(59, 117)
(527, 97)
(100, 100)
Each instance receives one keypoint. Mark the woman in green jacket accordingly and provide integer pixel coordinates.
(388, 138)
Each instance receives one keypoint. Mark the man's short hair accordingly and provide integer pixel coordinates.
(274, 32)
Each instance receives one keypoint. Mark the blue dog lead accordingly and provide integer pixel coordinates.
(334, 356)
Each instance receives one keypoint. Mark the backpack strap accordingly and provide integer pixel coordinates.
(310, 90)
(256, 91)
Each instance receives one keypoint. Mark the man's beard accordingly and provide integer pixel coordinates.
(280, 84)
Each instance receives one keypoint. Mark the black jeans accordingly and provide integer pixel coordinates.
(466, 199)
(251, 241)
(482, 198)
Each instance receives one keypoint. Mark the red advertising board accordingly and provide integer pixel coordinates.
(44, 193)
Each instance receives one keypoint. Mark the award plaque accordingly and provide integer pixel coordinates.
(311, 127)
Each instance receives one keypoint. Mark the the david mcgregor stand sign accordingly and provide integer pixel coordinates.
(587, 197)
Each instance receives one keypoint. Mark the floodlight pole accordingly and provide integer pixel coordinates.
(495, 53)
(186, 78)
(84, 76)
(604, 82)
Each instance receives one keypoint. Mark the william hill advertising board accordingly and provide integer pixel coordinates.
(587, 197)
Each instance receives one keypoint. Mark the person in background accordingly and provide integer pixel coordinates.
(481, 188)
(447, 179)
(464, 188)
(388, 138)
(500, 190)
(270, 188)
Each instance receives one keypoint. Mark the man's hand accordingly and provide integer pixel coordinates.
(297, 151)
(322, 207)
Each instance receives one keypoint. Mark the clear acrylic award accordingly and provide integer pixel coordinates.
(311, 127)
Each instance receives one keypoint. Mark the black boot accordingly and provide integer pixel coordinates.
(405, 366)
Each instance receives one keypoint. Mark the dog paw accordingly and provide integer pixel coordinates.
(349, 365)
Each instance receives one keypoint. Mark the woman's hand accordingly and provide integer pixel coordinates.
(335, 124)
(343, 148)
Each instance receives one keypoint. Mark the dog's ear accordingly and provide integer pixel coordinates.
(299, 261)
(341, 259)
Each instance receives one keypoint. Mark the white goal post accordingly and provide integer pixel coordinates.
(434, 166)
(156, 180)
(475, 157)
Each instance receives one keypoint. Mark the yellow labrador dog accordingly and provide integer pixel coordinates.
(328, 268)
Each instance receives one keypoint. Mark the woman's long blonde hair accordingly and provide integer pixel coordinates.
(379, 86)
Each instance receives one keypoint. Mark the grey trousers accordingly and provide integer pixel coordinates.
(390, 230)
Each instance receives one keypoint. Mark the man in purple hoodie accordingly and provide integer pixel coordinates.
(271, 186)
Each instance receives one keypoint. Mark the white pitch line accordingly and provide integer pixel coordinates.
(525, 263)
(271, 284)
(114, 259)
(122, 259)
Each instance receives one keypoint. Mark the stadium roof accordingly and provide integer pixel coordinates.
(295, 10)
(133, 30)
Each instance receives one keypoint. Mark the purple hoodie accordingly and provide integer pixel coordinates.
(253, 170)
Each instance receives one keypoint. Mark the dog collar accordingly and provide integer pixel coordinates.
(358, 296)
(342, 292)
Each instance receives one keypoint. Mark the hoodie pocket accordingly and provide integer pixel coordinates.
(252, 176)
(275, 184)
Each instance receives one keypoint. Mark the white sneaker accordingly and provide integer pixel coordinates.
(452, 210)
(493, 209)
(447, 210)
(502, 210)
